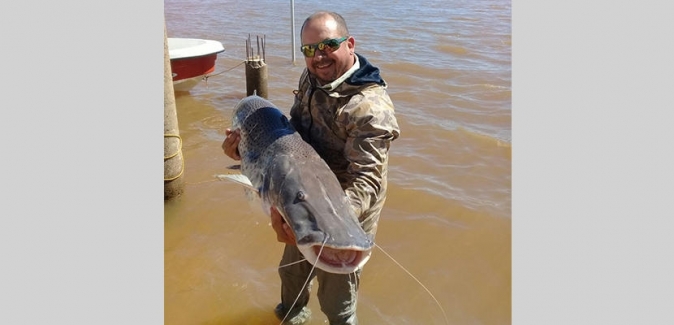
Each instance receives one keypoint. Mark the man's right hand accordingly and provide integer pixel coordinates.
(283, 232)
(231, 144)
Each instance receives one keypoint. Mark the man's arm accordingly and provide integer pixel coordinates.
(371, 129)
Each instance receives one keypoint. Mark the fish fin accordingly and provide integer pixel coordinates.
(251, 194)
(237, 178)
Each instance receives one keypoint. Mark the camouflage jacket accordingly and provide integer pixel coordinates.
(351, 128)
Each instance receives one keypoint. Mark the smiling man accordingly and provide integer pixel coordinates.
(325, 55)
(343, 111)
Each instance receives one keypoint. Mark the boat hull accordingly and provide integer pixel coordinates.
(188, 72)
(192, 60)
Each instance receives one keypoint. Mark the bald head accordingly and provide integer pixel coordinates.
(332, 20)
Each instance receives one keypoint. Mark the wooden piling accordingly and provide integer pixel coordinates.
(173, 156)
(256, 68)
(256, 78)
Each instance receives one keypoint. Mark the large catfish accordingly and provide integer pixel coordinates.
(289, 175)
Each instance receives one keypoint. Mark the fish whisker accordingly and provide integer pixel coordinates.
(293, 263)
(417, 280)
(313, 266)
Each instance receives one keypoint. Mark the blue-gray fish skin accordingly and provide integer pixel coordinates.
(290, 176)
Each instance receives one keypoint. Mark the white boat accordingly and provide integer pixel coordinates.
(191, 60)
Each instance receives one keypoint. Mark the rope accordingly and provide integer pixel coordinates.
(221, 72)
(182, 161)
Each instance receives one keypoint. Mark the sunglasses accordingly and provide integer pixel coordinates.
(328, 46)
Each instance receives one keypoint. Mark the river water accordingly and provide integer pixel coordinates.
(447, 219)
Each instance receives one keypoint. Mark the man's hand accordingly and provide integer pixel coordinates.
(231, 144)
(283, 232)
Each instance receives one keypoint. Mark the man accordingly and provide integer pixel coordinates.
(343, 110)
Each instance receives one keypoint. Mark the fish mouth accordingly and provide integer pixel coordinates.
(337, 260)
(338, 257)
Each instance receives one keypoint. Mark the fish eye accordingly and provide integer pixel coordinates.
(301, 196)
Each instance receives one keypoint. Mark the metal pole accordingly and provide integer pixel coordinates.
(292, 27)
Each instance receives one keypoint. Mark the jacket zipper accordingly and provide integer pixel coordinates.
(311, 117)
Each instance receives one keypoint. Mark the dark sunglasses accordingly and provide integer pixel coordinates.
(328, 46)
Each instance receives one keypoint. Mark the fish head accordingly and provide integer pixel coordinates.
(320, 214)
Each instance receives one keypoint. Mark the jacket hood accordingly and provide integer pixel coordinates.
(366, 74)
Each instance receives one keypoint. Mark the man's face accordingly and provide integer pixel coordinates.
(330, 63)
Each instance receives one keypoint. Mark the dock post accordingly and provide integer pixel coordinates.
(256, 69)
(173, 156)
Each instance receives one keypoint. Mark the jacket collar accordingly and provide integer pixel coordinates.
(361, 75)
